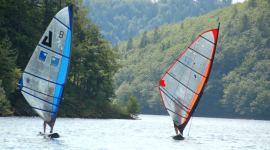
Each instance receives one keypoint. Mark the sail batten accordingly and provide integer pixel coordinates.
(186, 78)
(173, 76)
(175, 113)
(179, 104)
(207, 40)
(41, 78)
(61, 22)
(39, 98)
(47, 111)
(45, 75)
(191, 68)
(199, 53)
(53, 51)
(40, 92)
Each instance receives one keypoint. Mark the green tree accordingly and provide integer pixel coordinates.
(130, 17)
(156, 35)
(133, 106)
(244, 23)
(5, 108)
(8, 70)
(90, 81)
(144, 40)
(252, 3)
(89, 89)
(130, 44)
(239, 78)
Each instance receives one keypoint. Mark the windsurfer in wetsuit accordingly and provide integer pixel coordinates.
(44, 127)
(51, 124)
(177, 130)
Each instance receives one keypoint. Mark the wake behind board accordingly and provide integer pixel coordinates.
(178, 137)
(51, 135)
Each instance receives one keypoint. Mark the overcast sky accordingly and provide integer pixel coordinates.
(237, 1)
(233, 1)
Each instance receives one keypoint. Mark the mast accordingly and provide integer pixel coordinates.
(182, 127)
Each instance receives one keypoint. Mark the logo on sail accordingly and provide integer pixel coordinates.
(42, 56)
(54, 61)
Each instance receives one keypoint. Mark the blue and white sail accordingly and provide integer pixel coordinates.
(44, 77)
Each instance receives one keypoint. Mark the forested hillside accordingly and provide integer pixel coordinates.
(121, 20)
(239, 84)
(89, 90)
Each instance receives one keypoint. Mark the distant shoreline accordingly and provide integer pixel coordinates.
(138, 117)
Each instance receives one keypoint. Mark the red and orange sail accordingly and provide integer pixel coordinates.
(184, 81)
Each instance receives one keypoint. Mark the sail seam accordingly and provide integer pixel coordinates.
(175, 100)
(190, 68)
(61, 22)
(39, 98)
(40, 92)
(207, 39)
(42, 78)
(43, 110)
(176, 113)
(53, 51)
(199, 53)
(182, 84)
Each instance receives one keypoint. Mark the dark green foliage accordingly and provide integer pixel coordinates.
(8, 76)
(122, 19)
(132, 106)
(89, 90)
(244, 23)
(251, 3)
(20, 22)
(156, 36)
(239, 81)
(144, 40)
(5, 108)
(130, 44)
(21, 26)
(8, 71)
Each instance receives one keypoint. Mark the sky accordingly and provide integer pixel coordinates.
(233, 1)
(237, 1)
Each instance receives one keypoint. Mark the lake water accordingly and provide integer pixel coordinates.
(150, 133)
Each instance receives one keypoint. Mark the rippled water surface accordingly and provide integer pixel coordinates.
(149, 133)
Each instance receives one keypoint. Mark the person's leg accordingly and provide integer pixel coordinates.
(181, 132)
(51, 129)
(44, 127)
(176, 130)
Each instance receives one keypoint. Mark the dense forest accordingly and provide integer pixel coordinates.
(89, 91)
(123, 19)
(116, 82)
(239, 84)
